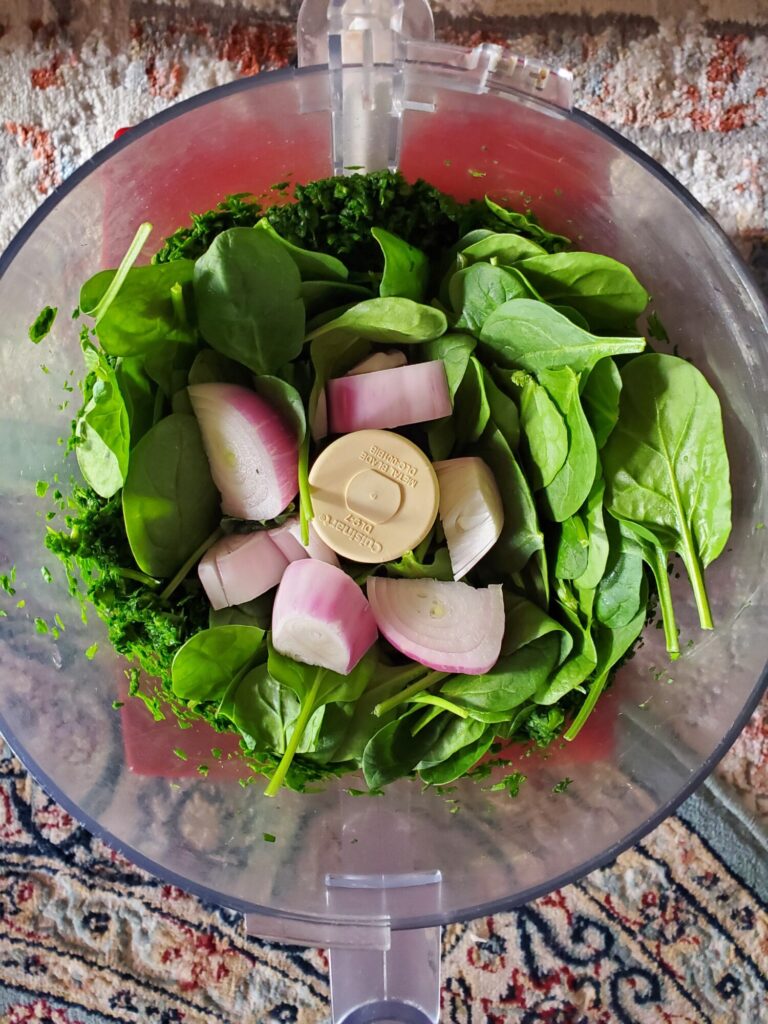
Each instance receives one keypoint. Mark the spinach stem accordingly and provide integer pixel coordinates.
(306, 512)
(307, 710)
(410, 691)
(193, 559)
(179, 307)
(696, 576)
(140, 577)
(134, 249)
(157, 409)
(586, 708)
(665, 599)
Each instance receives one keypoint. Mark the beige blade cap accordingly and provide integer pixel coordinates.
(375, 495)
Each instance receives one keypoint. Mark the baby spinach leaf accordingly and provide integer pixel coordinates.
(170, 503)
(458, 763)
(314, 687)
(569, 488)
(526, 622)
(505, 248)
(603, 290)
(572, 314)
(618, 595)
(503, 411)
(248, 295)
(312, 266)
(611, 645)
(454, 349)
(406, 269)
(545, 433)
(211, 367)
(582, 661)
(393, 752)
(533, 336)
(471, 411)
(666, 466)
(103, 429)
(257, 612)
(205, 666)
(600, 398)
(512, 681)
(520, 535)
(572, 549)
(321, 296)
(169, 365)
(598, 544)
(137, 391)
(477, 291)
(285, 399)
(265, 712)
(400, 321)
(143, 313)
(527, 224)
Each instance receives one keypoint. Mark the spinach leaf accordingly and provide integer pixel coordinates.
(521, 536)
(545, 433)
(526, 622)
(170, 503)
(603, 290)
(146, 312)
(257, 612)
(513, 680)
(476, 291)
(205, 666)
(103, 429)
(598, 544)
(169, 365)
(285, 400)
(530, 335)
(600, 398)
(611, 645)
(471, 411)
(527, 224)
(400, 321)
(406, 269)
(570, 487)
(314, 687)
(581, 663)
(503, 411)
(320, 296)
(454, 349)
(458, 763)
(505, 248)
(312, 266)
(572, 549)
(137, 391)
(211, 367)
(666, 466)
(571, 314)
(265, 712)
(618, 597)
(248, 295)
(393, 752)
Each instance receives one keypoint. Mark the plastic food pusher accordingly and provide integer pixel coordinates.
(381, 976)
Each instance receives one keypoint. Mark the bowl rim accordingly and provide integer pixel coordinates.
(501, 903)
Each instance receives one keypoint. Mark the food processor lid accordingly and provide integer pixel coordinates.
(393, 43)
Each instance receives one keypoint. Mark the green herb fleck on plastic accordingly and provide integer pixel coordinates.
(90, 652)
(43, 324)
(562, 785)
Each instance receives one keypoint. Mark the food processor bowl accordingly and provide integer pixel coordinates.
(371, 876)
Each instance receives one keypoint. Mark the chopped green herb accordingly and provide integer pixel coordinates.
(510, 784)
(41, 488)
(268, 837)
(203, 769)
(562, 785)
(43, 324)
(181, 754)
(117, 704)
(91, 651)
(41, 625)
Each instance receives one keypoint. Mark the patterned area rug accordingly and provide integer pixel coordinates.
(676, 929)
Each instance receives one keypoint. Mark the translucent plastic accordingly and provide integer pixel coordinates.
(652, 738)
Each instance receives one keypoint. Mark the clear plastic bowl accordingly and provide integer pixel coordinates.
(655, 735)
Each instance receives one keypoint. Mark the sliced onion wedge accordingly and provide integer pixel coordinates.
(388, 398)
(288, 538)
(379, 361)
(470, 510)
(321, 617)
(240, 567)
(450, 627)
(252, 453)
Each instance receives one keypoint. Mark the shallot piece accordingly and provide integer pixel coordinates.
(321, 617)
(388, 398)
(379, 361)
(253, 454)
(470, 510)
(450, 627)
(240, 567)
(288, 538)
